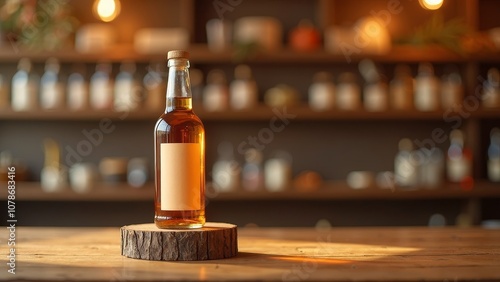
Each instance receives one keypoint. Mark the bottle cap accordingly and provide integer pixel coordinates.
(177, 54)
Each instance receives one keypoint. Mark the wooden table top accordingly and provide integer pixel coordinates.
(267, 254)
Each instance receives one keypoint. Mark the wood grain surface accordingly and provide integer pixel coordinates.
(214, 240)
(267, 254)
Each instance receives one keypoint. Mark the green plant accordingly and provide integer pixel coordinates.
(37, 24)
(437, 31)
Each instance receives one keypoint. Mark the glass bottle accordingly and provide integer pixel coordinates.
(252, 174)
(401, 89)
(375, 92)
(426, 89)
(24, 87)
(77, 88)
(348, 93)
(459, 163)
(215, 94)
(179, 153)
(243, 91)
(101, 91)
(226, 171)
(321, 93)
(452, 91)
(51, 87)
(125, 98)
(405, 165)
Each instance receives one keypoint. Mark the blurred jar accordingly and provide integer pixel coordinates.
(137, 172)
(452, 90)
(401, 88)
(252, 174)
(426, 89)
(77, 88)
(322, 92)
(127, 95)
(24, 87)
(278, 172)
(101, 88)
(215, 94)
(431, 167)
(226, 172)
(243, 89)
(375, 93)
(459, 162)
(83, 177)
(405, 165)
(348, 93)
(52, 94)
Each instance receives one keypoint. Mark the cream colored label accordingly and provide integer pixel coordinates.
(180, 176)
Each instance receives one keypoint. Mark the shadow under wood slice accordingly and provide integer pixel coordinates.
(212, 241)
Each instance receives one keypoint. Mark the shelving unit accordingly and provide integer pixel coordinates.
(260, 113)
(331, 142)
(332, 190)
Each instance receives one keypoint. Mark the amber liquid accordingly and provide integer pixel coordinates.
(179, 125)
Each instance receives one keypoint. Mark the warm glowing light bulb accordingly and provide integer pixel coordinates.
(107, 10)
(431, 4)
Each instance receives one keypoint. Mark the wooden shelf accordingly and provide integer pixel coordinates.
(336, 190)
(260, 113)
(199, 53)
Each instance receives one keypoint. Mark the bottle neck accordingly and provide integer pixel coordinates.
(179, 86)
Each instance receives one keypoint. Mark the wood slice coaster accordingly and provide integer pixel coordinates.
(212, 241)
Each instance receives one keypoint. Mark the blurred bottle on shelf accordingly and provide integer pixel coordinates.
(278, 172)
(215, 94)
(83, 177)
(401, 88)
(360, 179)
(101, 87)
(113, 170)
(53, 177)
(348, 93)
(252, 174)
(77, 88)
(226, 172)
(494, 155)
(375, 93)
(137, 172)
(431, 167)
(305, 37)
(491, 89)
(155, 87)
(4, 93)
(322, 92)
(452, 90)
(24, 87)
(127, 95)
(406, 165)
(52, 94)
(219, 35)
(426, 89)
(243, 90)
(459, 162)
(281, 95)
